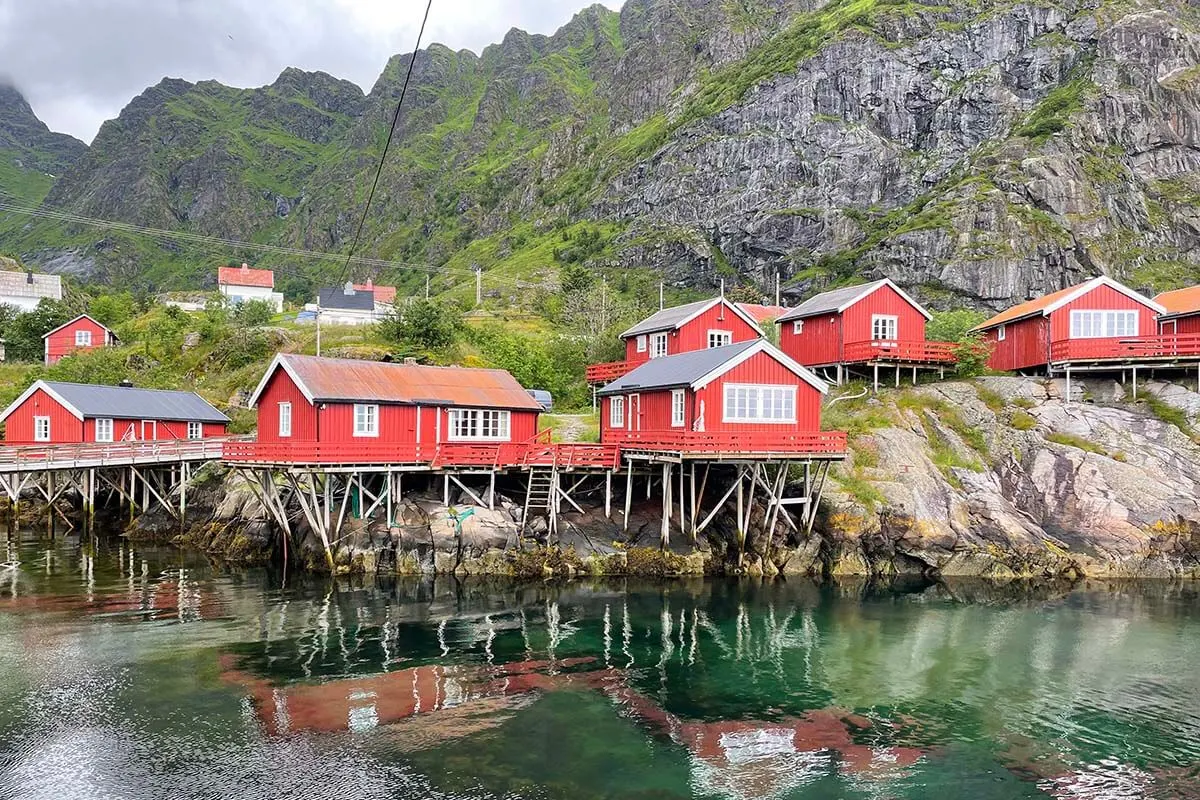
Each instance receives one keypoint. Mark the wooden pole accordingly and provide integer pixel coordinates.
(608, 494)
(693, 498)
(628, 494)
(665, 533)
(741, 533)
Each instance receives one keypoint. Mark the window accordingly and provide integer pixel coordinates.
(285, 420)
(1103, 324)
(616, 412)
(104, 430)
(41, 429)
(798, 327)
(1000, 334)
(658, 345)
(677, 408)
(195, 430)
(720, 338)
(366, 420)
(478, 423)
(751, 403)
(883, 327)
(641, 343)
(83, 338)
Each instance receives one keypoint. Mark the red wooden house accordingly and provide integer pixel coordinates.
(80, 334)
(52, 412)
(1181, 314)
(681, 329)
(867, 324)
(747, 397)
(1090, 323)
(351, 411)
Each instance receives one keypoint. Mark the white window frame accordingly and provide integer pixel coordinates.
(195, 430)
(1001, 333)
(797, 327)
(104, 429)
(758, 404)
(658, 345)
(720, 337)
(641, 342)
(881, 323)
(616, 412)
(479, 425)
(285, 413)
(83, 338)
(366, 420)
(678, 408)
(38, 434)
(1104, 323)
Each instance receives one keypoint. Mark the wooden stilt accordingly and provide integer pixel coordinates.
(608, 494)
(665, 533)
(897, 376)
(628, 495)
(491, 503)
(693, 498)
(1135, 383)
(914, 376)
(876, 379)
(682, 495)
(741, 531)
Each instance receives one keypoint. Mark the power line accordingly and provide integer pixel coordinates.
(388, 144)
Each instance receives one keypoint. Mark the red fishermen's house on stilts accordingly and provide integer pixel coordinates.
(861, 328)
(682, 329)
(80, 334)
(1181, 312)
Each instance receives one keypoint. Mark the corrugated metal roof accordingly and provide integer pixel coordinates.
(831, 301)
(337, 298)
(763, 313)
(122, 402)
(1180, 301)
(383, 294)
(677, 370)
(350, 380)
(245, 276)
(16, 284)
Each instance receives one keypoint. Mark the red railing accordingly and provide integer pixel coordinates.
(892, 351)
(44, 456)
(605, 373)
(815, 443)
(1126, 347)
(434, 456)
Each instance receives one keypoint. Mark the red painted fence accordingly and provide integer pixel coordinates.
(798, 443)
(63, 456)
(1129, 348)
(893, 351)
(434, 456)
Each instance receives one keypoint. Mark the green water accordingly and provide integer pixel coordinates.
(152, 674)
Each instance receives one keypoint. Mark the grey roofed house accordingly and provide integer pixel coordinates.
(31, 285)
(339, 299)
(836, 301)
(123, 402)
(671, 318)
(685, 369)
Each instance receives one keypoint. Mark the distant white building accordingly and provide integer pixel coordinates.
(240, 284)
(385, 296)
(26, 289)
(346, 306)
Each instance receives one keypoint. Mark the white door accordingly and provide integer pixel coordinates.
(633, 405)
(149, 430)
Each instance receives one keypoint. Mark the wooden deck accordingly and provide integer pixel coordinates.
(57, 457)
(1114, 353)
(730, 447)
(425, 457)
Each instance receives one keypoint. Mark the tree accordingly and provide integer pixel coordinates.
(745, 294)
(112, 309)
(254, 313)
(422, 324)
(952, 326)
(24, 333)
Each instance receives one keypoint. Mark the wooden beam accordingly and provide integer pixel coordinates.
(478, 500)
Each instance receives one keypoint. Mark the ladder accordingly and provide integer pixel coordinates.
(541, 495)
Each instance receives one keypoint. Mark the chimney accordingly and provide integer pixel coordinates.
(29, 277)
(245, 267)
(370, 284)
(409, 360)
(126, 384)
(348, 288)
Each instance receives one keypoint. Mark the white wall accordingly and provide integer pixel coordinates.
(238, 294)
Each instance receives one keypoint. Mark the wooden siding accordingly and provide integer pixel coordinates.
(1181, 325)
(694, 335)
(1102, 298)
(1026, 345)
(282, 389)
(61, 343)
(819, 342)
(162, 430)
(64, 427)
(856, 320)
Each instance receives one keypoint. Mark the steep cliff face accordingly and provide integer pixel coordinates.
(30, 154)
(977, 153)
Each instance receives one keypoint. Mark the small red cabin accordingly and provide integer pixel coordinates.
(867, 323)
(80, 334)
(369, 406)
(52, 412)
(749, 393)
(1181, 313)
(1092, 321)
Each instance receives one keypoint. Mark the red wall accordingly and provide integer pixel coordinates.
(820, 341)
(1026, 344)
(1102, 298)
(694, 335)
(62, 342)
(67, 429)
(856, 320)
(1181, 325)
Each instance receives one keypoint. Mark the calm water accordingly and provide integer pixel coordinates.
(150, 674)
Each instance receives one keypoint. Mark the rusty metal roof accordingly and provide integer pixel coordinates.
(245, 276)
(351, 380)
(1180, 302)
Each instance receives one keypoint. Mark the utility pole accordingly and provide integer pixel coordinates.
(318, 322)
(660, 295)
(722, 288)
(426, 287)
(776, 289)
(478, 286)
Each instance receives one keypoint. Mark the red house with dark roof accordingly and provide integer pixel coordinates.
(1092, 322)
(867, 324)
(680, 329)
(355, 411)
(80, 334)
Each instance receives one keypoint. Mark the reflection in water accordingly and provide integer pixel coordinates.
(126, 673)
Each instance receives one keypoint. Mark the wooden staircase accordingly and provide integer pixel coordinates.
(540, 496)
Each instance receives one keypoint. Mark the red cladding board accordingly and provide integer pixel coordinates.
(61, 342)
(1026, 344)
(693, 335)
(65, 428)
(237, 276)
(1102, 298)
(818, 342)
(1181, 325)
(281, 389)
(857, 319)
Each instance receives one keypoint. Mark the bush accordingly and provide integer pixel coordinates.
(953, 326)
(423, 325)
(254, 313)
(971, 355)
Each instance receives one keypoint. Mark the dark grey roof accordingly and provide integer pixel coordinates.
(666, 319)
(131, 403)
(678, 370)
(828, 302)
(360, 300)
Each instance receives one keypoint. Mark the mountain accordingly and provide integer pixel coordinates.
(978, 153)
(30, 154)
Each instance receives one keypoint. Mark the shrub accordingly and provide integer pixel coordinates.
(953, 326)
(1022, 421)
(972, 355)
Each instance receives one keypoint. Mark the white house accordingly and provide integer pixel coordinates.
(240, 284)
(346, 306)
(26, 289)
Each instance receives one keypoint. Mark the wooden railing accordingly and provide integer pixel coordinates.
(606, 373)
(449, 455)
(890, 350)
(59, 456)
(1126, 347)
(815, 443)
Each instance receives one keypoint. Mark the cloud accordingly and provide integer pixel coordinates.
(79, 62)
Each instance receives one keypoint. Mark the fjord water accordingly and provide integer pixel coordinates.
(151, 674)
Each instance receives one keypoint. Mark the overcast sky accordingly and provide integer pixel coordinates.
(78, 62)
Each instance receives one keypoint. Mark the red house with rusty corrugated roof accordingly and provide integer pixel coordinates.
(362, 410)
(78, 335)
(1095, 321)
(680, 329)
